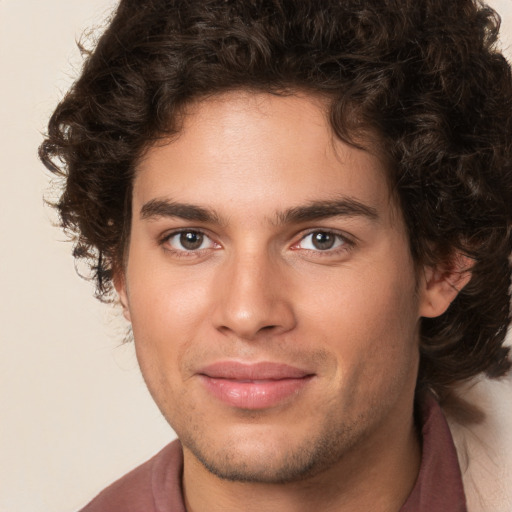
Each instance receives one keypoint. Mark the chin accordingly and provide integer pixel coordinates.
(260, 457)
(279, 469)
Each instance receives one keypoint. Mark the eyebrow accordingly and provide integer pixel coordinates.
(315, 210)
(164, 208)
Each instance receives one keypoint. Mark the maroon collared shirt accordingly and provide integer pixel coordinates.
(438, 487)
(155, 486)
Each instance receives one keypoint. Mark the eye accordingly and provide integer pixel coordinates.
(322, 241)
(187, 241)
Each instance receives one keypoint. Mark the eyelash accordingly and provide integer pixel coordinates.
(184, 253)
(346, 243)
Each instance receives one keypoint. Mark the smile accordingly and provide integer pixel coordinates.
(254, 386)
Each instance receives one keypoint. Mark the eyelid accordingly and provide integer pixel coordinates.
(176, 232)
(348, 241)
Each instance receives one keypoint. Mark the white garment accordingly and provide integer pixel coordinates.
(485, 449)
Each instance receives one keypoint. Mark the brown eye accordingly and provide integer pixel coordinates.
(191, 240)
(322, 240)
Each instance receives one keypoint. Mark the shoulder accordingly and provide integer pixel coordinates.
(484, 444)
(139, 490)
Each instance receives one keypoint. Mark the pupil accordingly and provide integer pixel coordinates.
(323, 240)
(191, 240)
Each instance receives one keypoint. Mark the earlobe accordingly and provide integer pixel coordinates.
(441, 285)
(120, 286)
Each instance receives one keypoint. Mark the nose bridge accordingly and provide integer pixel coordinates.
(253, 298)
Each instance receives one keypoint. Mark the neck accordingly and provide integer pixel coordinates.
(377, 475)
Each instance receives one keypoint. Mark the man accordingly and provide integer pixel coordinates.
(304, 209)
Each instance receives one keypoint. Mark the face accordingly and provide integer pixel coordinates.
(271, 291)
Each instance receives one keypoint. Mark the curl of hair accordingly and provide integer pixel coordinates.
(424, 75)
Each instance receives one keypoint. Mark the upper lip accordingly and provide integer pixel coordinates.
(265, 370)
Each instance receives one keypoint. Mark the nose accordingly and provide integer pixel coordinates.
(253, 299)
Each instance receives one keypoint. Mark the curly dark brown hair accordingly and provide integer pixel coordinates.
(425, 75)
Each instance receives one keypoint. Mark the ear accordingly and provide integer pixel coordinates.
(442, 283)
(120, 286)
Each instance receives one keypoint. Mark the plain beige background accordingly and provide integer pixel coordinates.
(74, 411)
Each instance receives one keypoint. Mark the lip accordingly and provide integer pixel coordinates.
(254, 386)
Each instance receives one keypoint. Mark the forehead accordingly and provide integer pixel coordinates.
(261, 151)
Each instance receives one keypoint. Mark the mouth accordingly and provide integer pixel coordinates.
(254, 386)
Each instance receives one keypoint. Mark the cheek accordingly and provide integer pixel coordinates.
(163, 299)
(370, 322)
(164, 315)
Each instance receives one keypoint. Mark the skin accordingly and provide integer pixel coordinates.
(257, 288)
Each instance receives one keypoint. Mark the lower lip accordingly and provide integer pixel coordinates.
(257, 394)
